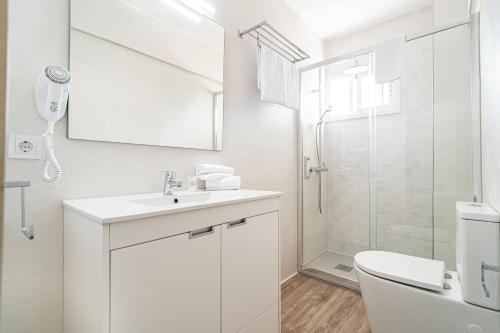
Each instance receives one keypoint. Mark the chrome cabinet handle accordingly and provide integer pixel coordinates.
(486, 267)
(237, 223)
(201, 232)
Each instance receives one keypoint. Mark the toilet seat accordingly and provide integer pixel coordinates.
(410, 270)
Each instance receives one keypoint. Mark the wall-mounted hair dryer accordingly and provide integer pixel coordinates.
(51, 94)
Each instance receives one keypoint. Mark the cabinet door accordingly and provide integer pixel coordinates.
(168, 285)
(250, 270)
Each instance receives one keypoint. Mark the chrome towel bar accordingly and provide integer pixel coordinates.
(27, 230)
(270, 37)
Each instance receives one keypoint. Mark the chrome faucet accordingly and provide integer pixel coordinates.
(170, 182)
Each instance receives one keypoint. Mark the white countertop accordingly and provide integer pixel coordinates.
(123, 208)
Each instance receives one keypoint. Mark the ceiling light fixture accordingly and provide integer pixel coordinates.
(200, 6)
(183, 10)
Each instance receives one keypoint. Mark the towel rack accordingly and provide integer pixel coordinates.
(270, 37)
(27, 230)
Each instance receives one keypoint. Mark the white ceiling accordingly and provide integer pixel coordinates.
(335, 18)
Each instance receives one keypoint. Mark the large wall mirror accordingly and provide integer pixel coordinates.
(145, 72)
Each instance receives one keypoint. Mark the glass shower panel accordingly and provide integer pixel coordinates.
(397, 155)
(404, 155)
(347, 141)
(336, 96)
(453, 136)
(314, 226)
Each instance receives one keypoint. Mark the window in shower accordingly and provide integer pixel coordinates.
(351, 95)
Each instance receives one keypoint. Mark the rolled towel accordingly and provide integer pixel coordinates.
(202, 169)
(219, 182)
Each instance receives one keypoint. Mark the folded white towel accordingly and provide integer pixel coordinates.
(278, 78)
(223, 188)
(292, 83)
(214, 176)
(217, 182)
(202, 169)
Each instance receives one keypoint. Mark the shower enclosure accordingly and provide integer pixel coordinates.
(382, 163)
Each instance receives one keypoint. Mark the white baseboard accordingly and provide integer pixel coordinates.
(288, 278)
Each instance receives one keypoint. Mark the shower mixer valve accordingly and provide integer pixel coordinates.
(309, 170)
(318, 169)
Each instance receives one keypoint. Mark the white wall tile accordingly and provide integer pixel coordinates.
(406, 24)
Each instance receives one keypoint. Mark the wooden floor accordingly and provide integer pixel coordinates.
(311, 306)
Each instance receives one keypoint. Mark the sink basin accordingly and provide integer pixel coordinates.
(131, 207)
(175, 199)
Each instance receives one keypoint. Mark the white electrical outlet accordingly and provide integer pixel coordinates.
(25, 146)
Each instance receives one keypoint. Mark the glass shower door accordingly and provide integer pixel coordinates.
(399, 154)
(403, 206)
(332, 237)
(347, 138)
(424, 150)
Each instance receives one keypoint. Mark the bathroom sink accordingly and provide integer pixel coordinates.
(130, 207)
(175, 199)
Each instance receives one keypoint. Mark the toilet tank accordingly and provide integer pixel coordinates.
(478, 253)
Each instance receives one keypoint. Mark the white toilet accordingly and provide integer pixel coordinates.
(406, 294)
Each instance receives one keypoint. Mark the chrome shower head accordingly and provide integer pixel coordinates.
(321, 119)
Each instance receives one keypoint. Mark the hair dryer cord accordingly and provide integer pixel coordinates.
(49, 160)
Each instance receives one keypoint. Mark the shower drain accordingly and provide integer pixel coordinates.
(344, 268)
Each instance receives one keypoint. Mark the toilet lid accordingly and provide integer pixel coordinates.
(415, 271)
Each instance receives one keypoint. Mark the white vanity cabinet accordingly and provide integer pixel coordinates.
(171, 283)
(180, 269)
(250, 269)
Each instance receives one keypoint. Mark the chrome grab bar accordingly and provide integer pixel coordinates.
(27, 230)
(486, 267)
